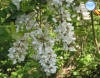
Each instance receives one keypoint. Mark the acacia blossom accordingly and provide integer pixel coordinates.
(64, 31)
(42, 41)
(55, 2)
(18, 52)
(82, 9)
(24, 22)
(43, 45)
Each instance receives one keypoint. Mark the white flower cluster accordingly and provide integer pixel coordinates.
(17, 3)
(42, 42)
(65, 32)
(24, 22)
(58, 3)
(55, 2)
(82, 9)
(69, 2)
(44, 53)
(65, 14)
(18, 51)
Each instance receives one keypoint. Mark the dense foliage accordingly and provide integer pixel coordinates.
(49, 39)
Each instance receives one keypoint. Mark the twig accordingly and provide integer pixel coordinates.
(35, 21)
(29, 19)
(95, 39)
(93, 26)
(40, 14)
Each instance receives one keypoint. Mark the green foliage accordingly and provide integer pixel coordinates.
(13, 7)
(3, 13)
(9, 14)
(4, 35)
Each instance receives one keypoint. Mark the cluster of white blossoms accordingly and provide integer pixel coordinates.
(55, 2)
(69, 2)
(42, 42)
(17, 3)
(66, 34)
(58, 3)
(43, 45)
(18, 52)
(65, 29)
(24, 22)
(82, 9)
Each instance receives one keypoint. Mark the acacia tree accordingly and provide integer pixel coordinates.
(44, 30)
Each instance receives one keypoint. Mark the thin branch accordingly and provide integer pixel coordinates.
(93, 26)
(35, 21)
(29, 19)
(60, 14)
(40, 13)
(94, 36)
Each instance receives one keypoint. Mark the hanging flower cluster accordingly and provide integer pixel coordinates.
(18, 52)
(42, 44)
(42, 41)
(24, 22)
(82, 9)
(65, 32)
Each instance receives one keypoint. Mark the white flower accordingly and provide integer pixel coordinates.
(86, 15)
(57, 2)
(72, 48)
(54, 19)
(65, 46)
(53, 69)
(14, 61)
(69, 1)
(11, 56)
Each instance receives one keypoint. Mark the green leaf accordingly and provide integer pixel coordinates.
(35, 74)
(75, 73)
(1, 31)
(16, 35)
(20, 12)
(7, 21)
(13, 15)
(14, 73)
(20, 75)
(13, 28)
(24, 5)
(4, 36)
(8, 11)
(3, 13)
(9, 69)
(13, 7)
(49, 18)
(8, 30)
